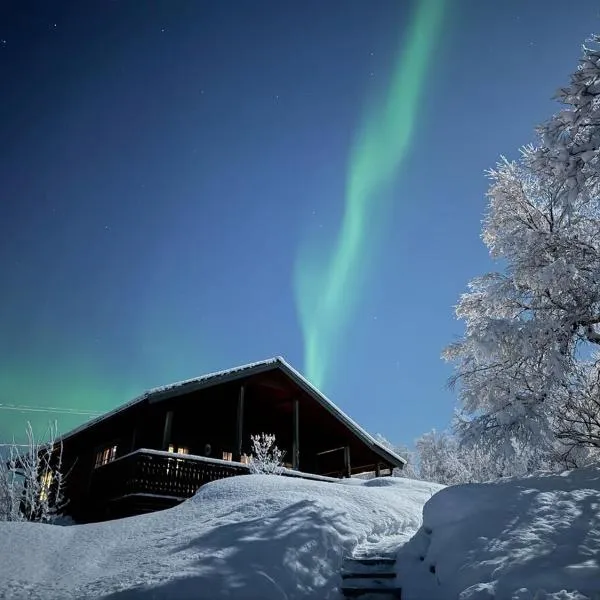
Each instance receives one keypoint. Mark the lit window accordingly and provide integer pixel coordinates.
(179, 450)
(227, 456)
(105, 456)
(245, 459)
(46, 482)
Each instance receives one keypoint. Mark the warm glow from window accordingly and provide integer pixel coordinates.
(105, 456)
(245, 459)
(227, 456)
(46, 482)
(180, 449)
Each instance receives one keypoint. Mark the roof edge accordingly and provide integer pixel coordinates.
(334, 409)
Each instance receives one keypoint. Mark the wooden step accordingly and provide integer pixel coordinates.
(355, 591)
(371, 566)
(368, 575)
(371, 560)
(372, 576)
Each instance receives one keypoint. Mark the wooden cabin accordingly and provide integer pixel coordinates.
(158, 449)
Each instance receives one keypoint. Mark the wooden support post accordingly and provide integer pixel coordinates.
(378, 470)
(239, 430)
(296, 439)
(347, 467)
(167, 430)
(133, 438)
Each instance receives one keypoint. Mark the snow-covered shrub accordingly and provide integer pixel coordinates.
(266, 457)
(32, 481)
(11, 489)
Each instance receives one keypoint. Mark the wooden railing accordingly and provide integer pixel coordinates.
(158, 473)
(147, 472)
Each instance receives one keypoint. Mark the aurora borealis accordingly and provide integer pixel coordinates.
(188, 189)
(327, 290)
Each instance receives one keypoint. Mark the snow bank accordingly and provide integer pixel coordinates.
(248, 537)
(520, 539)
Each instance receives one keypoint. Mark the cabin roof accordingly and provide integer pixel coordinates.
(183, 387)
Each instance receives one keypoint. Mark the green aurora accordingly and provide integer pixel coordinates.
(327, 291)
(71, 383)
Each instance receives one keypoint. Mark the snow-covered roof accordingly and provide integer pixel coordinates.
(210, 379)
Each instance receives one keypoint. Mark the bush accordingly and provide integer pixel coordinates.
(265, 458)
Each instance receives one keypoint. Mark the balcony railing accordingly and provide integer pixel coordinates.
(177, 476)
(159, 473)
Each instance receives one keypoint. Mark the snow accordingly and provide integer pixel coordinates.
(522, 539)
(249, 537)
(269, 537)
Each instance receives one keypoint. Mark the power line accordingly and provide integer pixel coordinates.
(14, 445)
(50, 409)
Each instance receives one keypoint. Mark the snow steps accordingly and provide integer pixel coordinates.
(370, 577)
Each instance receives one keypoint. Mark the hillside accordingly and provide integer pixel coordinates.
(273, 538)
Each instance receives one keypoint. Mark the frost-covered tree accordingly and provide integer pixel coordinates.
(578, 424)
(442, 459)
(531, 326)
(32, 480)
(569, 152)
(410, 468)
(266, 457)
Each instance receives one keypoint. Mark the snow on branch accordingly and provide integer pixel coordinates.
(32, 480)
(265, 458)
(530, 326)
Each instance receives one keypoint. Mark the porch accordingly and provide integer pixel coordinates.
(146, 480)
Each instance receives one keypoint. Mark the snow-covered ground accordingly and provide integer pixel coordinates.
(253, 537)
(519, 539)
(279, 538)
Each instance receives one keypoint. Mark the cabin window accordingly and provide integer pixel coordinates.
(178, 449)
(45, 483)
(227, 456)
(106, 455)
(245, 459)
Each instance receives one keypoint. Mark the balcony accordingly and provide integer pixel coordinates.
(147, 480)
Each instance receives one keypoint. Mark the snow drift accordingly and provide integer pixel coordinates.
(518, 539)
(264, 537)
(248, 537)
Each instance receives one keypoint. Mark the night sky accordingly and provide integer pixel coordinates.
(166, 168)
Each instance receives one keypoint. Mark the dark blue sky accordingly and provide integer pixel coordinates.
(162, 161)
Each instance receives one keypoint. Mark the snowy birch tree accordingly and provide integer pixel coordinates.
(32, 481)
(571, 138)
(531, 326)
